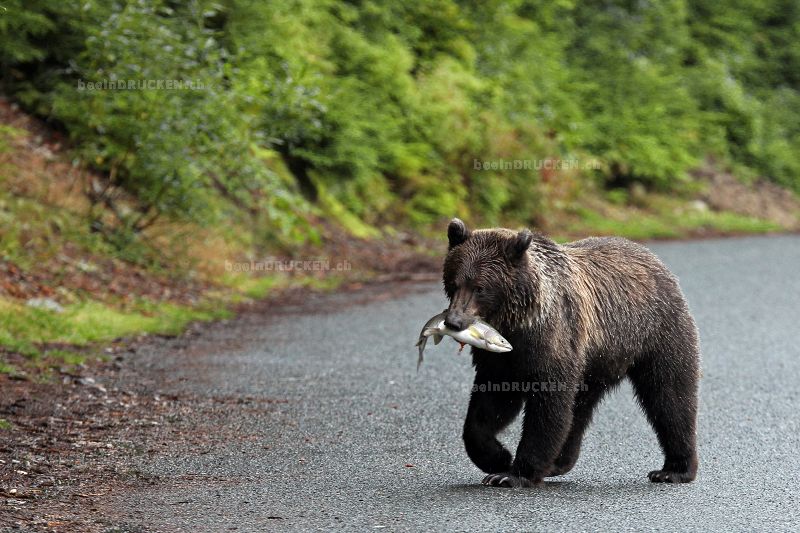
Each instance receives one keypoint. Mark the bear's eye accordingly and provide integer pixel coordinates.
(478, 289)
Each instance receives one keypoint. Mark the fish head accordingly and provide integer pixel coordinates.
(498, 343)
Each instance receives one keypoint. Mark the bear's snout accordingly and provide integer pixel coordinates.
(457, 320)
(462, 311)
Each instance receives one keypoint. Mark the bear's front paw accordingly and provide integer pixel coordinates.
(507, 479)
(668, 476)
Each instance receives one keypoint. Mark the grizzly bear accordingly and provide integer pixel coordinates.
(581, 317)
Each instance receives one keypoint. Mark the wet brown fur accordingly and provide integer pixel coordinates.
(586, 315)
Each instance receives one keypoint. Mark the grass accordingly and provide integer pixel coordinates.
(31, 332)
(665, 218)
(249, 286)
(8, 134)
(24, 329)
(5, 424)
(32, 231)
(65, 357)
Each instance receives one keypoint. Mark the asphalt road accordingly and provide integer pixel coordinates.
(348, 415)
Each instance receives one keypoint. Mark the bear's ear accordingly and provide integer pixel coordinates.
(519, 245)
(457, 232)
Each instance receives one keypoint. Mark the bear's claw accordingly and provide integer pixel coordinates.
(507, 480)
(668, 476)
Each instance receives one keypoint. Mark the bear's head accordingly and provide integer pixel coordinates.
(486, 272)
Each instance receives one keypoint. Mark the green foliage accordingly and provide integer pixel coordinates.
(176, 148)
(378, 109)
(23, 24)
(745, 60)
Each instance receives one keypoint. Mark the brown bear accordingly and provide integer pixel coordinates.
(581, 317)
